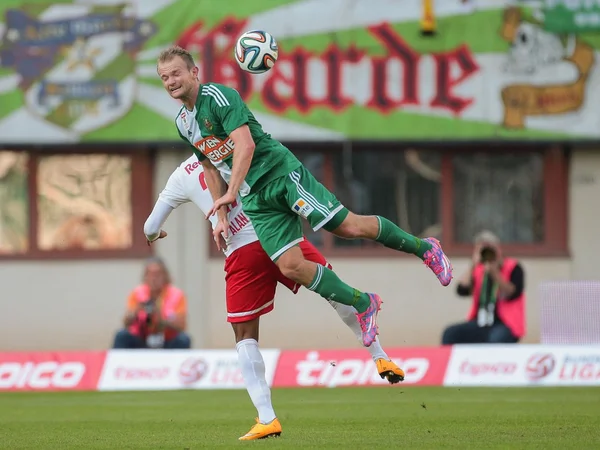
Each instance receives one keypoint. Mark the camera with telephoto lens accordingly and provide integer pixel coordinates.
(488, 254)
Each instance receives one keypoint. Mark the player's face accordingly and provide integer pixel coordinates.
(177, 78)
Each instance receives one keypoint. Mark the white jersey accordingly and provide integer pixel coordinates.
(186, 184)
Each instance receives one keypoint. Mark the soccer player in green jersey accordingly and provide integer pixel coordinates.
(276, 189)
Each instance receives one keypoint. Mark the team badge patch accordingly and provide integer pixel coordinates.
(207, 124)
(186, 122)
(302, 208)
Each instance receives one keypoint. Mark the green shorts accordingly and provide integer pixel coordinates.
(276, 211)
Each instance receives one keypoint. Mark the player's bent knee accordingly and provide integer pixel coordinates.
(352, 227)
(292, 271)
(291, 264)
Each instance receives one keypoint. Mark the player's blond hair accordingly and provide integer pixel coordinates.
(174, 51)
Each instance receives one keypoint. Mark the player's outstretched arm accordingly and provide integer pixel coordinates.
(155, 221)
(216, 186)
(172, 196)
(218, 190)
(242, 157)
(233, 114)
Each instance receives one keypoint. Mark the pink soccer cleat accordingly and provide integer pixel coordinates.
(368, 320)
(438, 262)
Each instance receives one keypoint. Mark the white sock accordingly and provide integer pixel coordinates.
(348, 315)
(252, 366)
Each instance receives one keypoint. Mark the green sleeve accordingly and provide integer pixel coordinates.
(228, 107)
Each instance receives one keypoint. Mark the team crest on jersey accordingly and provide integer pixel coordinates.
(184, 119)
(302, 208)
(77, 68)
(207, 124)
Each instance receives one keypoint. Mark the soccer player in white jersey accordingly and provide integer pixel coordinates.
(251, 280)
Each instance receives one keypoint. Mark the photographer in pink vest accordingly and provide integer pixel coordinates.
(496, 285)
(156, 313)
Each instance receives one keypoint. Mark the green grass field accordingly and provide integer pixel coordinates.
(354, 418)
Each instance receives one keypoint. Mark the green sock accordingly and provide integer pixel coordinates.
(328, 285)
(396, 238)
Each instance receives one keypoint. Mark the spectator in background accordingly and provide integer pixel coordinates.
(496, 284)
(156, 313)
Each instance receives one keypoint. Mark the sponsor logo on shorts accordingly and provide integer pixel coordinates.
(302, 208)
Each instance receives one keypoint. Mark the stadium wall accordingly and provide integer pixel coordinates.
(78, 305)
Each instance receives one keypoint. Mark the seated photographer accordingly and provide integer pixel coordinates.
(496, 285)
(156, 313)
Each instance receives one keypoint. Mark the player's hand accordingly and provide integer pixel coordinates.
(226, 200)
(221, 233)
(161, 235)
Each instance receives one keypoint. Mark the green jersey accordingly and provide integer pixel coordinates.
(218, 111)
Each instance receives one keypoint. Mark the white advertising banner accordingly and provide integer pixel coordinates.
(523, 365)
(177, 369)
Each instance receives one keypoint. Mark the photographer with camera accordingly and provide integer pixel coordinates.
(156, 313)
(496, 284)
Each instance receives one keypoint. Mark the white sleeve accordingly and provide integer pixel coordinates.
(170, 198)
(157, 219)
(174, 193)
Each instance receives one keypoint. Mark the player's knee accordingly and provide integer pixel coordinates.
(291, 266)
(291, 269)
(294, 266)
(353, 227)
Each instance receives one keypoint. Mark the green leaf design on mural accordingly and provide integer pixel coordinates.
(212, 12)
(153, 81)
(10, 101)
(140, 124)
(413, 126)
(453, 32)
(32, 7)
